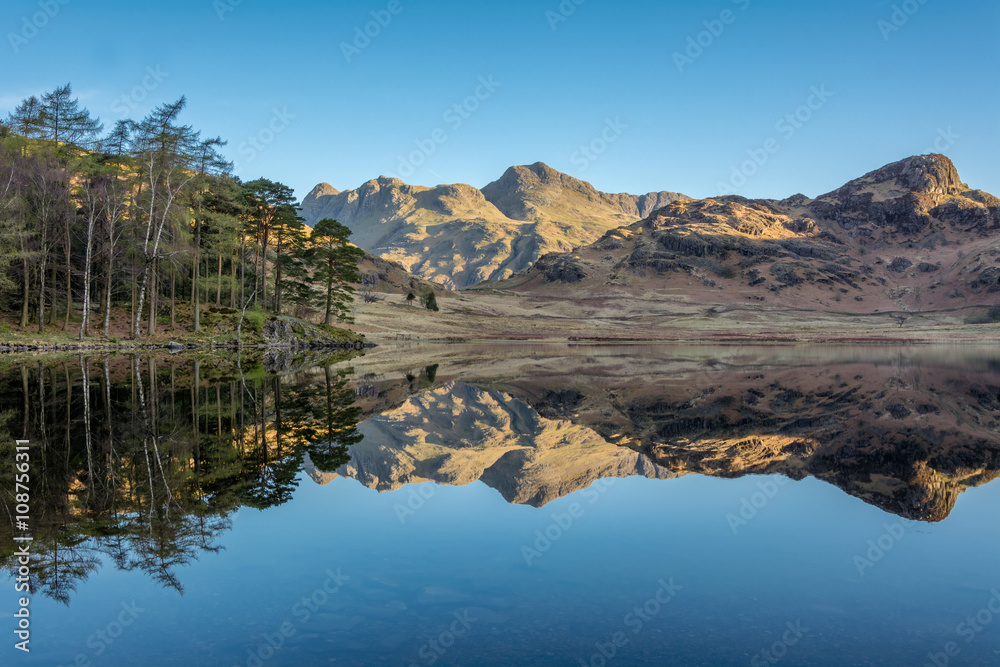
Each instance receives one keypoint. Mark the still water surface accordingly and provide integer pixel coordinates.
(510, 506)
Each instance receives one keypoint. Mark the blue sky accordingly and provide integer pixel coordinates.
(559, 76)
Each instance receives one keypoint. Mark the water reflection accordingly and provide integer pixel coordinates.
(142, 460)
(904, 430)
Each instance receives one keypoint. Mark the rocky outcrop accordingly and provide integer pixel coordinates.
(457, 235)
(907, 237)
(532, 193)
(295, 334)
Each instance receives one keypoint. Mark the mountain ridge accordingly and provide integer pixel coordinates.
(458, 235)
(909, 237)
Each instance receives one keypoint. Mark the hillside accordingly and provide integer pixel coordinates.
(457, 235)
(909, 238)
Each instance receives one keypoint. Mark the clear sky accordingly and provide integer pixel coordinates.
(561, 76)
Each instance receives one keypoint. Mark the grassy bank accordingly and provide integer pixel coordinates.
(219, 327)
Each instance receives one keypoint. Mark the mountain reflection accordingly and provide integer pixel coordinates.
(906, 431)
(141, 461)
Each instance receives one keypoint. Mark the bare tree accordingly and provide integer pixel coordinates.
(166, 153)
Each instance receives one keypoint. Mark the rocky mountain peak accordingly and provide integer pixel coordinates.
(928, 174)
(387, 182)
(933, 174)
(321, 190)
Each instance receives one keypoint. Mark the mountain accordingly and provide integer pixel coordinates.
(458, 236)
(905, 239)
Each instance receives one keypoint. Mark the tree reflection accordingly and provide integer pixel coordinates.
(141, 461)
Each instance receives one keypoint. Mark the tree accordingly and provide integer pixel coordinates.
(265, 200)
(93, 205)
(47, 206)
(167, 153)
(410, 298)
(428, 298)
(62, 121)
(13, 233)
(113, 192)
(289, 241)
(223, 204)
(25, 120)
(210, 163)
(900, 318)
(336, 262)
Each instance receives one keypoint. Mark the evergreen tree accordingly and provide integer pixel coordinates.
(62, 121)
(336, 262)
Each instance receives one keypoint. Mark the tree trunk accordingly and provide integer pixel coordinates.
(277, 282)
(173, 298)
(243, 271)
(85, 320)
(69, 281)
(41, 297)
(133, 316)
(138, 302)
(154, 292)
(232, 285)
(107, 298)
(52, 291)
(329, 293)
(263, 272)
(26, 294)
(196, 262)
(329, 304)
(218, 287)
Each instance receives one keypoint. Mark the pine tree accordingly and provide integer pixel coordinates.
(62, 121)
(336, 262)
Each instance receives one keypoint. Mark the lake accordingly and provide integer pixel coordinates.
(507, 505)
